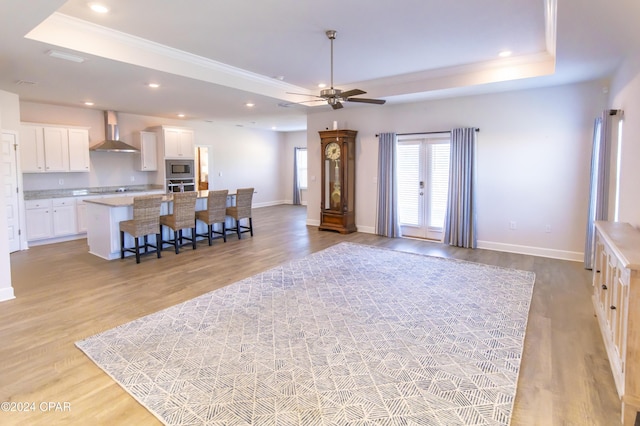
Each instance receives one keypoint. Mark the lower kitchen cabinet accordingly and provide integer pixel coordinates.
(50, 218)
(64, 216)
(38, 219)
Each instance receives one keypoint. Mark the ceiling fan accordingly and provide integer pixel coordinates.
(335, 97)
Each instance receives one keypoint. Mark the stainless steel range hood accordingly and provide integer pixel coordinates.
(112, 143)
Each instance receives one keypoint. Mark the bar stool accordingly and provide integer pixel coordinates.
(215, 213)
(184, 209)
(146, 219)
(242, 210)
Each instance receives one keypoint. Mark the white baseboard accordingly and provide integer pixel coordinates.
(366, 229)
(6, 294)
(302, 203)
(35, 243)
(313, 222)
(268, 204)
(533, 251)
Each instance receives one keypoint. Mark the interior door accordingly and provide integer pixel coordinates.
(423, 182)
(10, 188)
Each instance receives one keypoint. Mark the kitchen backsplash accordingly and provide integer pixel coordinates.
(107, 169)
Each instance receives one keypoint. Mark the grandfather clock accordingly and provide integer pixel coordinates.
(338, 181)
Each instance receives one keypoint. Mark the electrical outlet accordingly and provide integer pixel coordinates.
(60, 181)
(512, 225)
(133, 178)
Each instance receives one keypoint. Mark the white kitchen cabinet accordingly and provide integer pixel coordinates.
(178, 143)
(49, 148)
(81, 214)
(38, 219)
(50, 218)
(148, 151)
(56, 149)
(32, 149)
(64, 216)
(79, 150)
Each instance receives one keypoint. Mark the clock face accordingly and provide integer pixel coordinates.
(332, 151)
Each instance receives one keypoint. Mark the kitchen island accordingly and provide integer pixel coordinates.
(105, 214)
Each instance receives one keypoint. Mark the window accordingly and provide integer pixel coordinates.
(301, 162)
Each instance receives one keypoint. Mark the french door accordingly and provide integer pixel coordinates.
(423, 182)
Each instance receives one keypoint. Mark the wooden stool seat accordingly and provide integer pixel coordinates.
(215, 213)
(242, 210)
(183, 217)
(146, 219)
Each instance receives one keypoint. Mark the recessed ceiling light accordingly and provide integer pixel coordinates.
(250, 104)
(153, 85)
(66, 56)
(98, 8)
(505, 53)
(181, 115)
(322, 85)
(274, 127)
(89, 103)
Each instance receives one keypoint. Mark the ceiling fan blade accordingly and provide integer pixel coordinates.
(336, 105)
(367, 101)
(353, 92)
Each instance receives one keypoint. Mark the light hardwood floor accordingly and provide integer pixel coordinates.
(64, 294)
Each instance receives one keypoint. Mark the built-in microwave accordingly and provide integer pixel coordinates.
(179, 169)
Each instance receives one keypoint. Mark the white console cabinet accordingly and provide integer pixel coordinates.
(616, 299)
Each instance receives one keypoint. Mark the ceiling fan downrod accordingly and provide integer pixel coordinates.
(332, 36)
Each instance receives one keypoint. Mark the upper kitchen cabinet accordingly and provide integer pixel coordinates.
(79, 150)
(176, 142)
(32, 149)
(147, 141)
(46, 148)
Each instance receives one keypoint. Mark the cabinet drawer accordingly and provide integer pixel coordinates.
(37, 204)
(61, 202)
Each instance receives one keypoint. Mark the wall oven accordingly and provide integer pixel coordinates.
(179, 169)
(180, 185)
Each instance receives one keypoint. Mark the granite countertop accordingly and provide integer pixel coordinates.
(127, 200)
(83, 192)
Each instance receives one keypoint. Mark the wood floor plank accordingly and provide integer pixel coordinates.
(64, 294)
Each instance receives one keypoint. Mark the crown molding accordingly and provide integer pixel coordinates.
(82, 36)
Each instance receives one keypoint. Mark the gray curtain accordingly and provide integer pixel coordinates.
(599, 188)
(296, 181)
(388, 224)
(460, 219)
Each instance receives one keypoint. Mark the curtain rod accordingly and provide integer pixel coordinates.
(426, 133)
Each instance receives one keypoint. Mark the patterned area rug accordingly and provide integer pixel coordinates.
(351, 335)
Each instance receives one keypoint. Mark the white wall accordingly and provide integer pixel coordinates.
(238, 157)
(9, 120)
(534, 151)
(625, 95)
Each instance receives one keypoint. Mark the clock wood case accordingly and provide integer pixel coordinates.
(337, 206)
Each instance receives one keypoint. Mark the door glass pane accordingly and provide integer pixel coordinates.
(439, 184)
(408, 183)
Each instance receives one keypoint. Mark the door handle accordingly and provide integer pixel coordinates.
(421, 184)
